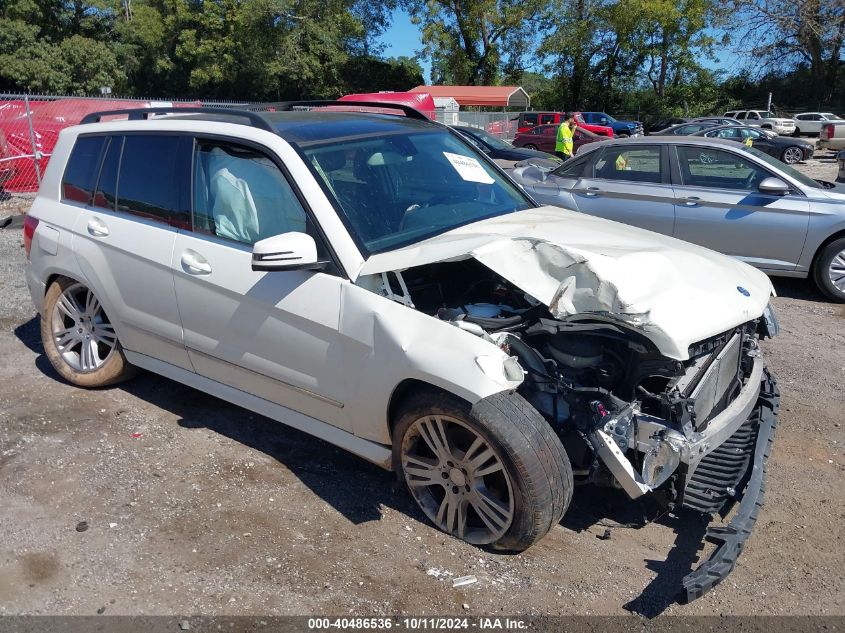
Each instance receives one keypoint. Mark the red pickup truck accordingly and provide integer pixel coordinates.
(527, 120)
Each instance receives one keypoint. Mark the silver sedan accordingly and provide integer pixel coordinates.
(716, 193)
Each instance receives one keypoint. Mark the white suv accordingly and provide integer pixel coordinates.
(375, 281)
(764, 119)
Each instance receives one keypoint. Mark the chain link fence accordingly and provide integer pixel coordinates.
(30, 126)
(501, 124)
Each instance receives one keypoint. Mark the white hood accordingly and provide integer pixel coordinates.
(581, 266)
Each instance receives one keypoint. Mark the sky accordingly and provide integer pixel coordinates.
(403, 39)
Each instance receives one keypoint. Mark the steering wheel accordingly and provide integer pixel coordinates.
(431, 202)
(749, 182)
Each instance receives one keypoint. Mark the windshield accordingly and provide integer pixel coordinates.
(832, 117)
(493, 141)
(401, 187)
(783, 168)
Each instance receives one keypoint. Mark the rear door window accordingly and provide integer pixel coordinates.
(106, 194)
(81, 172)
(633, 164)
(149, 181)
(545, 119)
(529, 119)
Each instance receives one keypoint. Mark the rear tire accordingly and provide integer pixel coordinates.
(78, 338)
(530, 146)
(498, 454)
(829, 270)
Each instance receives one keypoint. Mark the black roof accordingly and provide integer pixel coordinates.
(293, 122)
(315, 126)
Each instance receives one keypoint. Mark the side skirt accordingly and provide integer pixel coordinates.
(371, 451)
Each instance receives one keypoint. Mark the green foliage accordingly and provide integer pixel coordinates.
(475, 42)
(213, 49)
(646, 58)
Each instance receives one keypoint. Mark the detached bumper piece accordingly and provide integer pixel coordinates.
(731, 537)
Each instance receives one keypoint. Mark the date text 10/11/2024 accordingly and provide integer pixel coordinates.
(416, 624)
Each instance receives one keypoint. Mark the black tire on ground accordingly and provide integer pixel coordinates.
(623, 135)
(797, 132)
(533, 457)
(530, 146)
(821, 269)
(114, 370)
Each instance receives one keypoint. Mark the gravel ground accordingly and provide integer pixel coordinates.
(195, 506)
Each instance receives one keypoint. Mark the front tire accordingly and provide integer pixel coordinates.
(79, 339)
(530, 146)
(829, 270)
(491, 474)
(792, 155)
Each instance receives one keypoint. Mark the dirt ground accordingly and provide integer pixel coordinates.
(194, 506)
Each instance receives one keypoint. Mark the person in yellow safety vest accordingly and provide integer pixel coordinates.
(564, 147)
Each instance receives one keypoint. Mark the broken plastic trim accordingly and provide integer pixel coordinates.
(733, 536)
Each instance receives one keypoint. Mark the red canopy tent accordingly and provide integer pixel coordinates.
(491, 96)
(419, 100)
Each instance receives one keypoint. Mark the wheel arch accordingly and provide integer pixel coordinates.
(831, 238)
(52, 275)
(405, 389)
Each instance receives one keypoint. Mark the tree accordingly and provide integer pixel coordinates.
(790, 33)
(471, 41)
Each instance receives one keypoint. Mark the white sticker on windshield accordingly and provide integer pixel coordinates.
(469, 168)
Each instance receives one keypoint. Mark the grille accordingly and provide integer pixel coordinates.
(720, 476)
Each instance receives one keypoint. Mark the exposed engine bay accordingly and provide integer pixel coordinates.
(627, 415)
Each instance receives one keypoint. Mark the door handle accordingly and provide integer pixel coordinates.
(692, 201)
(97, 227)
(591, 191)
(195, 263)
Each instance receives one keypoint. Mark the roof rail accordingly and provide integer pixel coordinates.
(286, 106)
(140, 114)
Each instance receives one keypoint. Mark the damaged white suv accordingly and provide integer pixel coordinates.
(373, 280)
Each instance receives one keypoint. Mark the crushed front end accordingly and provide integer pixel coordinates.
(699, 430)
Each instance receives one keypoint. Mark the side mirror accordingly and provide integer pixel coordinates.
(288, 251)
(773, 186)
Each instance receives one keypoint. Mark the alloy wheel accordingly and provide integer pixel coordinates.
(836, 271)
(458, 479)
(792, 155)
(83, 335)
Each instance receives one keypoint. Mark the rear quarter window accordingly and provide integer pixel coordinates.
(81, 171)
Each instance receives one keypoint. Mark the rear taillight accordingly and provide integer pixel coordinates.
(828, 130)
(29, 225)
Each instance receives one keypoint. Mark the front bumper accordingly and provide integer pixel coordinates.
(731, 538)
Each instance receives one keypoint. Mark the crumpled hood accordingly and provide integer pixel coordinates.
(581, 266)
